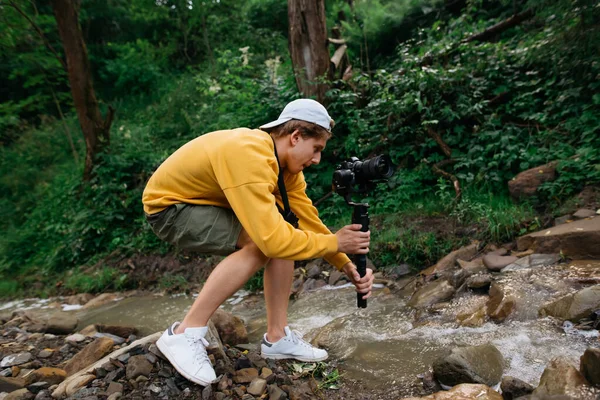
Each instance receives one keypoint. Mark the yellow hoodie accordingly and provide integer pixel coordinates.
(237, 169)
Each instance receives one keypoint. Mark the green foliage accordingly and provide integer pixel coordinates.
(98, 281)
(175, 70)
(255, 283)
(172, 282)
(9, 289)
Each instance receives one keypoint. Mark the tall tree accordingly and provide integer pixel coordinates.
(308, 46)
(96, 129)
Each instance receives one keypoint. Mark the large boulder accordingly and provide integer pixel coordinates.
(578, 240)
(526, 183)
(574, 306)
(448, 261)
(562, 378)
(465, 391)
(590, 365)
(61, 323)
(474, 364)
(432, 293)
(231, 328)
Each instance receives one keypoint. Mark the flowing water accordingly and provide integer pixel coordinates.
(388, 343)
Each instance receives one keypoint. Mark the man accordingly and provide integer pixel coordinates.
(219, 194)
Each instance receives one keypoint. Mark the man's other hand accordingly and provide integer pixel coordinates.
(363, 285)
(352, 240)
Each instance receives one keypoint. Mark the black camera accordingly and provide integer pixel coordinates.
(356, 176)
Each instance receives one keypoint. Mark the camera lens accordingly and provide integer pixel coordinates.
(379, 167)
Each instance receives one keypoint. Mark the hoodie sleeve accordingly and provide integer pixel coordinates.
(308, 216)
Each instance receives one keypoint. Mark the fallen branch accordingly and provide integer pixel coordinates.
(482, 36)
(500, 27)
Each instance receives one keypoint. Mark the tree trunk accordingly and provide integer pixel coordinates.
(308, 46)
(96, 130)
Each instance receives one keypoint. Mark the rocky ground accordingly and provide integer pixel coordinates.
(43, 357)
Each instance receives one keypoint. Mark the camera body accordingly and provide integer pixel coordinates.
(356, 176)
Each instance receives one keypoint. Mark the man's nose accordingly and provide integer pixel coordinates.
(316, 159)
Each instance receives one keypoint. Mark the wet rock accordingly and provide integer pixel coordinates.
(275, 393)
(116, 339)
(496, 263)
(584, 213)
(46, 353)
(138, 366)
(89, 330)
(297, 285)
(115, 396)
(561, 378)
(500, 304)
(590, 365)
(117, 330)
(465, 391)
(433, 292)
(90, 353)
(16, 359)
(525, 184)
(21, 394)
(257, 387)
(313, 270)
(46, 374)
(114, 387)
(574, 306)
(430, 384)
(245, 375)
(207, 393)
(464, 253)
(304, 391)
(578, 240)
(100, 300)
(79, 382)
(231, 328)
(533, 261)
(266, 373)
(37, 387)
(334, 277)
(9, 384)
(242, 362)
(563, 220)
(79, 299)
(513, 388)
(472, 319)
(472, 267)
(480, 281)
(75, 338)
(61, 323)
(473, 364)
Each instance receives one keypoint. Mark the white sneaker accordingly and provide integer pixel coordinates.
(291, 346)
(187, 353)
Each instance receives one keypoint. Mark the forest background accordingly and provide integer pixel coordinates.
(460, 108)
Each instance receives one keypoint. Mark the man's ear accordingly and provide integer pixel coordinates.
(295, 137)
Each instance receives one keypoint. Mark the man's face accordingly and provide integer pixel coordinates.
(304, 152)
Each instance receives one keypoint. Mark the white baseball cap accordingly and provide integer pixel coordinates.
(305, 110)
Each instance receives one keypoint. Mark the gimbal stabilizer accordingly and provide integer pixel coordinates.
(355, 176)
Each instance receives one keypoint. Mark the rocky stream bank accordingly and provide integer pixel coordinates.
(549, 275)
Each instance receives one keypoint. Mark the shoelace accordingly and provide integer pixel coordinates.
(199, 345)
(297, 339)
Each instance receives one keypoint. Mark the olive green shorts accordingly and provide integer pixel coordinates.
(204, 229)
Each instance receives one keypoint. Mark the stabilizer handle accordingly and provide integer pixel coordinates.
(360, 215)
